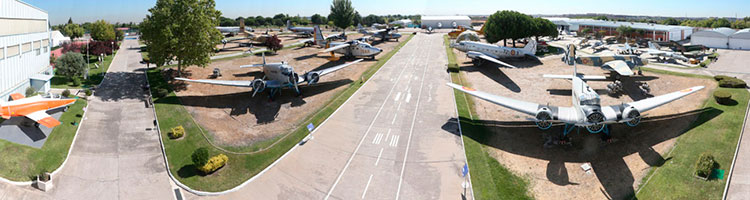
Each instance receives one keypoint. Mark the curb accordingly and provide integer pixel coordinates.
(204, 193)
(736, 151)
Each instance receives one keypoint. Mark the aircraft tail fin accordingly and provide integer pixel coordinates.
(264, 57)
(530, 48)
(288, 24)
(319, 38)
(651, 45)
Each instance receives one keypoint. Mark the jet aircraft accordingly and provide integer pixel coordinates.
(34, 108)
(655, 51)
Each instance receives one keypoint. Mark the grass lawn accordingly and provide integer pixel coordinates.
(240, 167)
(23, 163)
(717, 136)
(96, 75)
(489, 178)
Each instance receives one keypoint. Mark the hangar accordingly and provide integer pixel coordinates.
(437, 22)
(655, 32)
(713, 38)
(24, 48)
(740, 40)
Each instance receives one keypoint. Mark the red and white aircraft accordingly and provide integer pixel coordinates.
(34, 108)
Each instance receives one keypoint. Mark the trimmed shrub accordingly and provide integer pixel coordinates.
(732, 83)
(704, 165)
(200, 157)
(161, 92)
(177, 132)
(87, 92)
(214, 163)
(721, 77)
(723, 97)
(76, 81)
(66, 93)
(30, 91)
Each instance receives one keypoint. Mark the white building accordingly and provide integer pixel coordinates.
(740, 40)
(24, 48)
(437, 22)
(58, 38)
(403, 22)
(655, 32)
(713, 38)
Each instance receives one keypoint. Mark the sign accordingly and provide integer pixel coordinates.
(465, 170)
(310, 127)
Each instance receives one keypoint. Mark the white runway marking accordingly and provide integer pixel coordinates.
(398, 96)
(394, 118)
(366, 186)
(408, 97)
(379, 154)
(389, 134)
(394, 140)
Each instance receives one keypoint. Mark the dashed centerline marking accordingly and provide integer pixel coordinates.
(408, 97)
(394, 118)
(379, 154)
(366, 186)
(389, 134)
(398, 96)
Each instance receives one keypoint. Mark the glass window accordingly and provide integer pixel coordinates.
(12, 50)
(45, 42)
(26, 47)
(38, 44)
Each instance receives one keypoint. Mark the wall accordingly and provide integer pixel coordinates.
(17, 69)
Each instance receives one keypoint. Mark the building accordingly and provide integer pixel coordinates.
(403, 22)
(58, 38)
(655, 32)
(437, 22)
(24, 48)
(740, 40)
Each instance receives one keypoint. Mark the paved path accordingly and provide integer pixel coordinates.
(735, 63)
(393, 139)
(114, 156)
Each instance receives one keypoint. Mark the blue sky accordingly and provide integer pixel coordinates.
(136, 10)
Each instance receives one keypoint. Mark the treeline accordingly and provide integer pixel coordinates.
(705, 23)
(504, 25)
(100, 30)
(280, 20)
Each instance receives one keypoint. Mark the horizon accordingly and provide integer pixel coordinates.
(135, 10)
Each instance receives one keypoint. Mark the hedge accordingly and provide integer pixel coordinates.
(177, 132)
(704, 165)
(732, 83)
(723, 97)
(721, 77)
(214, 163)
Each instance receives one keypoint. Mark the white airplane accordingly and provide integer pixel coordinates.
(300, 31)
(352, 48)
(478, 52)
(276, 76)
(622, 65)
(655, 51)
(626, 49)
(586, 110)
(383, 34)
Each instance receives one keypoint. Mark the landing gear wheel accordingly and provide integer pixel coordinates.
(36, 124)
(476, 62)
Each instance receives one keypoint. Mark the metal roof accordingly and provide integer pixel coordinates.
(717, 32)
(615, 24)
(456, 17)
(744, 34)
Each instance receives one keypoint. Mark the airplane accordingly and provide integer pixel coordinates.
(311, 42)
(352, 48)
(276, 76)
(654, 51)
(626, 49)
(231, 30)
(300, 31)
(621, 65)
(383, 34)
(34, 108)
(478, 52)
(586, 110)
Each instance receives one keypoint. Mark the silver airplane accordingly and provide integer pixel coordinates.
(383, 34)
(479, 52)
(275, 77)
(300, 31)
(655, 51)
(626, 49)
(586, 110)
(352, 48)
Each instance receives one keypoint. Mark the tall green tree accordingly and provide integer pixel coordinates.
(317, 19)
(543, 27)
(503, 25)
(72, 30)
(70, 20)
(626, 31)
(342, 13)
(102, 31)
(70, 64)
(182, 30)
(357, 18)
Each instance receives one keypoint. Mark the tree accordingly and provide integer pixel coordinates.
(357, 18)
(119, 35)
(260, 21)
(317, 19)
(543, 27)
(507, 24)
(670, 21)
(70, 65)
(223, 21)
(587, 31)
(626, 31)
(721, 23)
(182, 30)
(72, 30)
(70, 20)
(604, 18)
(342, 13)
(102, 31)
(200, 157)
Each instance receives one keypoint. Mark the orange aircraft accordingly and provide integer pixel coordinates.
(34, 108)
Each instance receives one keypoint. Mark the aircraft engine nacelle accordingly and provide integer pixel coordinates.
(258, 85)
(632, 115)
(473, 55)
(312, 77)
(595, 118)
(543, 117)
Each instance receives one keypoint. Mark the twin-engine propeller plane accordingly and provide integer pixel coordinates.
(586, 110)
(276, 76)
(383, 34)
(351, 49)
(620, 65)
(480, 52)
(34, 108)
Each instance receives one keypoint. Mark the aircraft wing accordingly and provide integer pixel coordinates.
(584, 77)
(43, 118)
(333, 69)
(220, 82)
(302, 42)
(250, 66)
(341, 46)
(565, 114)
(491, 59)
(651, 103)
(619, 66)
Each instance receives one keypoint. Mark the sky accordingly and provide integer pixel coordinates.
(135, 10)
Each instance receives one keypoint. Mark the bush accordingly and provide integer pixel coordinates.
(721, 77)
(200, 157)
(87, 92)
(30, 91)
(723, 97)
(76, 81)
(453, 67)
(732, 83)
(66, 93)
(70, 64)
(161, 92)
(704, 165)
(177, 132)
(214, 163)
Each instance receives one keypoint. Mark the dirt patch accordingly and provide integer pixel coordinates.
(556, 173)
(235, 118)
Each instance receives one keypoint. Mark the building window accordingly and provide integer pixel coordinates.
(2, 53)
(12, 50)
(26, 47)
(45, 45)
(38, 47)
